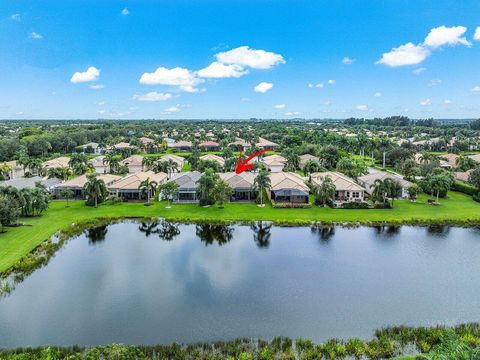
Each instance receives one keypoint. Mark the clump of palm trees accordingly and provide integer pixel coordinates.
(324, 192)
(386, 189)
(95, 190)
(261, 184)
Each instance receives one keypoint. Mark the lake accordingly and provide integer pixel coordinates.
(159, 282)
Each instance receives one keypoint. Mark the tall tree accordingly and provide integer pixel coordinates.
(222, 192)
(168, 191)
(262, 183)
(95, 190)
(148, 187)
(324, 192)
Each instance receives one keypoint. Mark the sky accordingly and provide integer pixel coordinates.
(206, 59)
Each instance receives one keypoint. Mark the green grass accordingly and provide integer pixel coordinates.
(17, 242)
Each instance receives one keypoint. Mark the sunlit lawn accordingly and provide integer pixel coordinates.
(21, 240)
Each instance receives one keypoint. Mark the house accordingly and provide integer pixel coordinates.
(212, 157)
(60, 162)
(179, 160)
(17, 171)
(134, 163)
(463, 175)
(183, 146)
(76, 184)
(127, 188)
(187, 182)
(99, 165)
(170, 142)
(307, 157)
(475, 157)
(31, 182)
(210, 145)
(274, 163)
(288, 187)
(122, 146)
(91, 148)
(266, 144)
(346, 189)
(451, 159)
(239, 145)
(368, 181)
(147, 143)
(242, 185)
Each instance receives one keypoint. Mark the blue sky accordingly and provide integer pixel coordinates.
(85, 59)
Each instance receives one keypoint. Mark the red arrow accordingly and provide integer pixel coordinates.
(244, 165)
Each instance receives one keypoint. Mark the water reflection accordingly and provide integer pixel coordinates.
(387, 230)
(96, 234)
(164, 229)
(261, 233)
(210, 233)
(324, 233)
(438, 230)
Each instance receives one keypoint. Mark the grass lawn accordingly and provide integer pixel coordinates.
(17, 242)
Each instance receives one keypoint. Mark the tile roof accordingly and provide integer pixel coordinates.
(341, 181)
(287, 180)
(132, 182)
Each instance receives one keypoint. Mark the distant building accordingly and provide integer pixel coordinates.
(274, 163)
(31, 182)
(91, 148)
(99, 165)
(463, 175)
(134, 163)
(210, 146)
(211, 157)
(183, 146)
(266, 144)
(239, 145)
(307, 157)
(59, 162)
(179, 160)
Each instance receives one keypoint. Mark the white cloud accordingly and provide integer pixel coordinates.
(377, 94)
(419, 70)
(348, 61)
(319, 86)
(97, 86)
(425, 102)
(34, 35)
(125, 12)
(247, 57)
(91, 74)
(477, 34)
(443, 35)
(244, 99)
(447, 101)
(152, 96)
(476, 88)
(101, 111)
(101, 103)
(408, 54)
(362, 107)
(263, 87)
(219, 70)
(15, 17)
(331, 82)
(434, 82)
(185, 79)
(280, 106)
(172, 110)
(293, 113)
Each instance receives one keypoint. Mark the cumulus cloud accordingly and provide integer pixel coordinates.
(247, 57)
(425, 102)
(377, 94)
(348, 61)
(476, 88)
(125, 12)
(280, 106)
(447, 101)
(263, 87)
(293, 113)
(443, 35)
(331, 82)
(318, 86)
(477, 34)
(97, 86)
(219, 70)
(152, 96)
(172, 110)
(91, 74)
(34, 35)
(408, 54)
(184, 79)
(362, 107)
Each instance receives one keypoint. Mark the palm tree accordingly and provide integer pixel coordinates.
(148, 187)
(311, 166)
(23, 160)
(35, 165)
(171, 166)
(112, 161)
(394, 189)
(379, 191)
(206, 183)
(261, 183)
(384, 144)
(95, 189)
(325, 191)
(78, 163)
(222, 191)
(66, 194)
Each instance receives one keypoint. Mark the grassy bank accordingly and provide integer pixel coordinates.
(457, 209)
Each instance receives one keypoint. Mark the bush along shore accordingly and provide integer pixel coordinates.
(459, 342)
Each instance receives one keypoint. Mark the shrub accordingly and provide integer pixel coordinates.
(476, 197)
(355, 205)
(387, 205)
(464, 188)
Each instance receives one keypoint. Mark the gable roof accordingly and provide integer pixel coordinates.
(132, 181)
(451, 159)
(122, 145)
(209, 144)
(183, 143)
(243, 180)
(134, 160)
(369, 179)
(463, 175)
(341, 181)
(264, 142)
(287, 180)
(274, 160)
(240, 142)
(97, 161)
(306, 157)
(58, 162)
(212, 157)
(175, 158)
(186, 180)
(81, 180)
(145, 140)
(475, 157)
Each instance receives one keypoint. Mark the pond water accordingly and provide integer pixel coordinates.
(159, 282)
